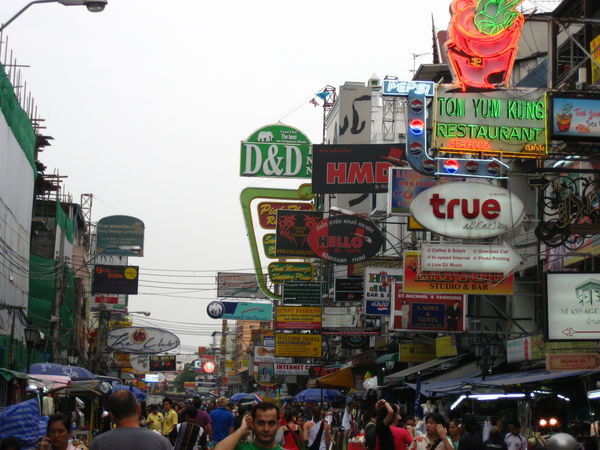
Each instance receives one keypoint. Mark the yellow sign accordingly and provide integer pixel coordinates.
(298, 317)
(229, 364)
(595, 51)
(416, 352)
(445, 346)
(540, 348)
(304, 345)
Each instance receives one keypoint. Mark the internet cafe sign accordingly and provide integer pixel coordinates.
(276, 151)
(511, 122)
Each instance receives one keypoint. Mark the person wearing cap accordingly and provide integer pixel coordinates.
(222, 420)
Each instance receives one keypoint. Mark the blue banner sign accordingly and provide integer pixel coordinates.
(377, 307)
(240, 311)
(401, 88)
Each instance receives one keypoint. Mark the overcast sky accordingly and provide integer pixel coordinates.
(148, 102)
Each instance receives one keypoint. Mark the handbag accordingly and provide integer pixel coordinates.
(317, 442)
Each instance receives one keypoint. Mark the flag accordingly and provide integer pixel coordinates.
(323, 95)
(314, 102)
(22, 421)
(257, 398)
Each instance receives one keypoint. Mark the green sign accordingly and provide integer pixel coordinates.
(276, 151)
(302, 292)
(268, 241)
(290, 271)
(120, 235)
(511, 122)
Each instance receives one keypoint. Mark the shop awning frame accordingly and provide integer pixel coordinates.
(343, 378)
(397, 377)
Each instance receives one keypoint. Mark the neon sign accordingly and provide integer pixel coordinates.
(483, 41)
(506, 122)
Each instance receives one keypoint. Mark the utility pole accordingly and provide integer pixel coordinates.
(58, 298)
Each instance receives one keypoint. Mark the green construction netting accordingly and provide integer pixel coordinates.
(42, 294)
(63, 221)
(17, 119)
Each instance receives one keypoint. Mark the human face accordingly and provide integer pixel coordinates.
(167, 406)
(265, 426)
(59, 435)
(453, 430)
(430, 427)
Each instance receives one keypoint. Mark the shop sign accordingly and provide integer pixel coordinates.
(344, 321)
(349, 290)
(267, 211)
(518, 350)
(397, 88)
(510, 122)
(292, 369)
(115, 280)
(469, 258)
(573, 361)
(427, 312)
(302, 292)
(109, 303)
(483, 42)
(269, 241)
(302, 345)
(356, 342)
(162, 363)
(141, 340)
(420, 281)
(238, 285)
(445, 346)
(416, 353)
(264, 374)
(576, 118)
(378, 289)
(595, 51)
(280, 272)
(345, 239)
(354, 168)
(293, 229)
(354, 114)
(358, 269)
(266, 354)
(298, 318)
(468, 210)
(240, 311)
(573, 306)
(276, 151)
(405, 185)
(120, 235)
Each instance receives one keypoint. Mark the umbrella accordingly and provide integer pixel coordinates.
(240, 396)
(139, 395)
(319, 395)
(73, 372)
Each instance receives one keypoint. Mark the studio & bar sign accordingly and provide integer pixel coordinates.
(115, 279)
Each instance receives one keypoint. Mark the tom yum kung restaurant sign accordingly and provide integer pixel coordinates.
(511, 122)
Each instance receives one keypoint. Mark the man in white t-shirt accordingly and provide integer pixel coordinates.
(514, 439)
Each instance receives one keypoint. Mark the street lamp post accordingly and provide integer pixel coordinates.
(92, 6)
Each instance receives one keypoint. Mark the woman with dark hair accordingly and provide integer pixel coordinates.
(388, 436)
(436, 437)
(454, 432)
(291, 433)
(58, 434)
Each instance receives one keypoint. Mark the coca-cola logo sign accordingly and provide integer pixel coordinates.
(345, 239)
(468, 210)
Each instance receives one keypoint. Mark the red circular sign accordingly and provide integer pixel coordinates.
(208, 367)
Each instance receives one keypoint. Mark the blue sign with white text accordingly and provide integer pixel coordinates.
(377, 307)
(240, 311)
(401, 88)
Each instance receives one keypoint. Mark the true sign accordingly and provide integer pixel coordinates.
(468, 210)
(469, 258)
(276, 151)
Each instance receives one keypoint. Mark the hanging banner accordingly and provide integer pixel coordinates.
(267, 211)
(349, 290)
(378, 289)
(345, 321)
(280, 272)
(575, 118)
(162, 363)
(405, 185)
(292, 369)
(141, 340)
(419, 281)
(240, 311)
(302, 292)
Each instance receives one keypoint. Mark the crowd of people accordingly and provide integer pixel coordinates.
(219, 424)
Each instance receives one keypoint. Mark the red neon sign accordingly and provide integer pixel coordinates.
(483, 41)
